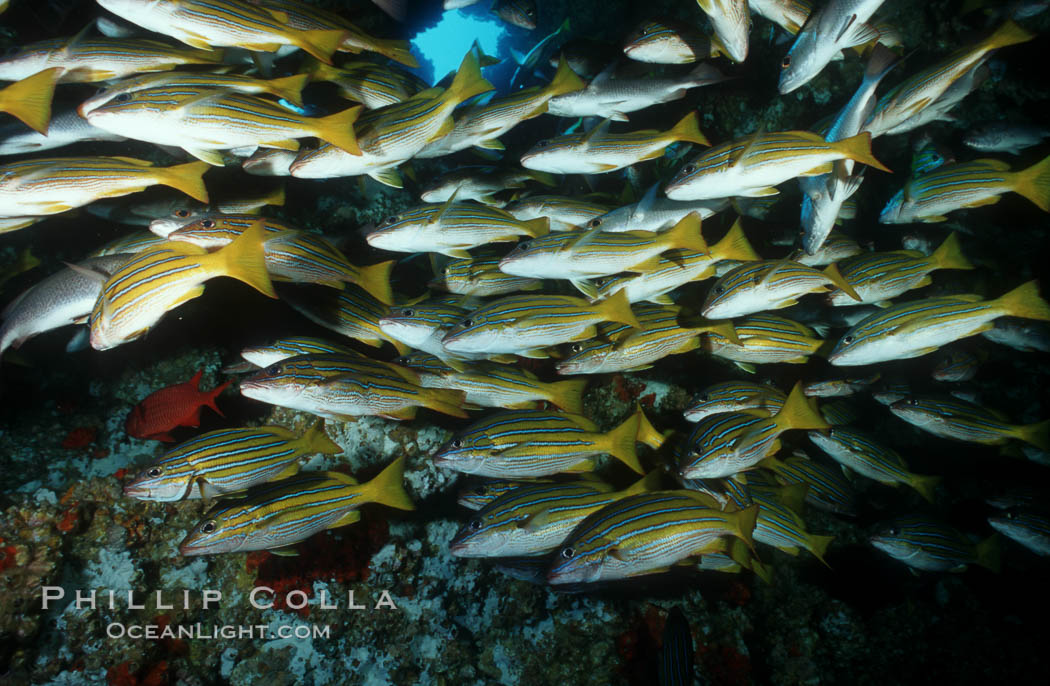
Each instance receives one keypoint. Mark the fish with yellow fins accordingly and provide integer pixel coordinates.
(30, 99)
(753, 165)
(45, 186)
(390, 135)
(156, 281)
(203, 121)
(278, 515)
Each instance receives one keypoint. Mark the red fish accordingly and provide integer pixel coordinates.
(171, 407)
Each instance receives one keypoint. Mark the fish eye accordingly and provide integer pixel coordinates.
(704, 398)
(756, 278)
(530, 12)
(847, 339)
(524, 246)
(154, 472)
(595, 223)
(831, 432)
(208, 224)
(391, 219)
(911, 401)
(182, 214)
(123, 97)
(576, 347)
(689, 169)
(543, 144)
(468, 323)
(786, 62)
(474, 524)
(208, 526)
(456, 443)
(893, 531)
(1010, 515)
(720, 289)
(568, 553)
(407, 312)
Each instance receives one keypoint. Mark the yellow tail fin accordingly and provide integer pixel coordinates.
(688, 130)
(949, 254)
(925, 485)
(568, 395)
(620, 443)
(321, 44)
(858, 148)
(388, 487)
(565, 80)
(686, 234)
(338, 129)
(743, 525)
(397, 50)
(647, 433)
(187, 178)
(617, 308)
(289, 87)
(988, 553)
(274, 198)
(818, 545)
(444, 401)
(1037, 434)
(243, 259)
(540, 226)
(375, 279)
(1024, 302)
(799, 412)
(734, 246)
(1007, 34)
(836, 277)
(468, 81)
(30, 99)
(317, 441)
(1034, 184)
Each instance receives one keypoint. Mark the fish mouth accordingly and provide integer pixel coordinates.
(136, 491)
(189, 550)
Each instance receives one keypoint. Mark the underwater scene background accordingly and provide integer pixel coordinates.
(890, 526)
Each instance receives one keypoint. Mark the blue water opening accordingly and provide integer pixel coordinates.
(441, 48)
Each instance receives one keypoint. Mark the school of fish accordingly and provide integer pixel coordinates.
(538, 288)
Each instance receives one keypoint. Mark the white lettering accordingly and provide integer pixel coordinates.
(52, 593)
(296, 605)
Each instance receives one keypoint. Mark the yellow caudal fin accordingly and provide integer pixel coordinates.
(317, 441)
(468, 81)
(1025, 302)
(925, 485)
(818, 545)
(734, 246)
(397, 50)
(799, 412)
(540, 226)
(243, 259)
(1034, 184)
(647, 433)
(1037, 434)
(188, 178)
(949, 254)
(565, 80)
(724, 329)
(742, 525)
(649, 482)
(688, 130)
(289, 87)
(321, 44)
(686, 234)
(836, 278)
(444, 401)
(988, 553)
(30, 99)
(375, 279)
(858, 148)
(1007, 34)
(568, 395)
(617, 308)
(338, 129)
(620, 443)
(388, 487)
